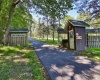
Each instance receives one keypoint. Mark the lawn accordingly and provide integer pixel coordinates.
(49, 41)
(20, 63)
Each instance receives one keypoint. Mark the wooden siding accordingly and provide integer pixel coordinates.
(16, 39)
(80, 43)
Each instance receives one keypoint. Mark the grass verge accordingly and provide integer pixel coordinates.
(93, 53)
(20, 63)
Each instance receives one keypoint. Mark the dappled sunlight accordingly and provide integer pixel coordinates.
(79, 77)
(97, 67)
(8, 57)
(62, 50)
(63, 78)
(67, 73)
(9, 48)
(96, 77)
(68, 70)
(82, 59)
(38, 49)
(21, 76)
(59, 78)
(25, 50)
(66, 65)
(21, 60)
(1, 55)
(13, 65)
(45, 45)
(16, 56)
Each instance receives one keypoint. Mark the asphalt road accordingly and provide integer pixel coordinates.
(65, 65)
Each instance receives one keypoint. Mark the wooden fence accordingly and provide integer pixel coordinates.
(93, 40)
(18, 39)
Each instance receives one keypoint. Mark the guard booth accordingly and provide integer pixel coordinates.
(76, 34)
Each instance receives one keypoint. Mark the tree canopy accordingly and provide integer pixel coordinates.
(16, 13)
(89, 6)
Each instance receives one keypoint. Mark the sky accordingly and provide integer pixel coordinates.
(72, 13)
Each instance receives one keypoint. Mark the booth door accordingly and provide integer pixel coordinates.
(71, 39)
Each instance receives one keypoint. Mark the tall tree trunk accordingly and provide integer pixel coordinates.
(39, 28)
(15, 2)
(53, 30)
(47, 28)
(43, 34)
(59, 24)
(53, 36)
(30, 31)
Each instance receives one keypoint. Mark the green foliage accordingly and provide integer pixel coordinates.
(4, 7)
(21, 18)
(53, 8)
(89, 6)
(65, 20)
(85, 17)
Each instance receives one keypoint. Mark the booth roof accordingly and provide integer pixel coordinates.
(18, 30)
(78, 23)
(61, 31)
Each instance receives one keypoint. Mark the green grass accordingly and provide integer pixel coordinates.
(49, 41)
(19, 63)
(93, 53)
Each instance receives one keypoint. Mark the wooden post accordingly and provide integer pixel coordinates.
(58, 37)
(87, 40)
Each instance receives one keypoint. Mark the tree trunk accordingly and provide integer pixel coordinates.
(47, 28)
(53, 36)
(53, 30)
(58, 38)
(43, 34)
(47, 32)
(30, 31)
(10, 20)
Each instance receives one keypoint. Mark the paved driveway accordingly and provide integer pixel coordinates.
(65, 65)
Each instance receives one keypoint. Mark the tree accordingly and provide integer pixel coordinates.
(89, 6)
(11, 11)
(53, 8)
(93, 22)
(21, 18)
(65, 19)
